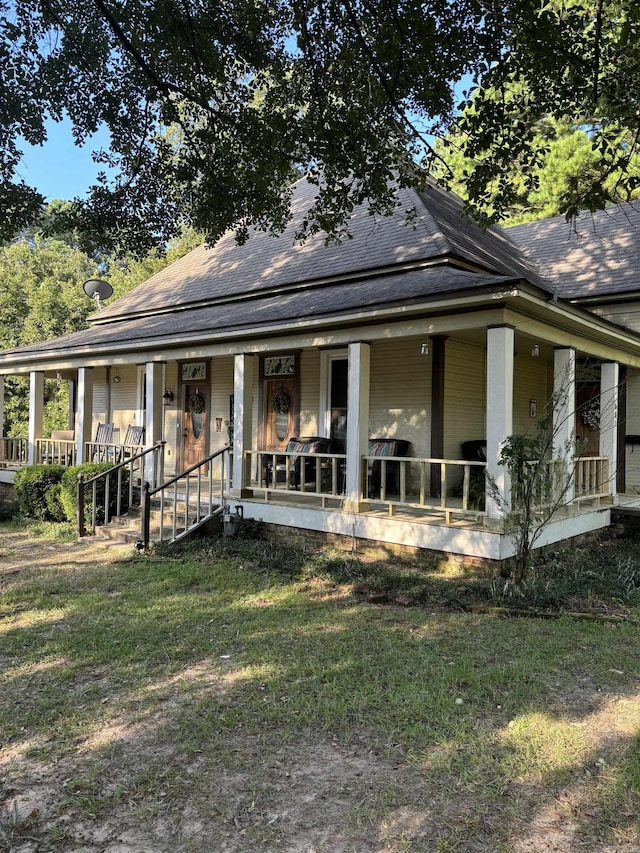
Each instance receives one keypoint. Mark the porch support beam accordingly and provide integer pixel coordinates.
(564, 412)
(84, 411)
(154, 371)
(609, 406)
(500, 341)
(243, 371)
(36, 404)
(1, 406)
(357, 423)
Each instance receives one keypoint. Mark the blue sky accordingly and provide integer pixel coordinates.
(59, 169)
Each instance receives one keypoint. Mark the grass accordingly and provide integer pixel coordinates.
(244, 694)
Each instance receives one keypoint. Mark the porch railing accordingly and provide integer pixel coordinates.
(95, 451)
(448, 486)
(13, 451)
(55, 451)
(314, 474)
(459, 484)
(188, 498)
(591, 477)
(118, 489)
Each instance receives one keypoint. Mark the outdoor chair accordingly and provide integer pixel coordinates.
(301, 468)
(104, 436)
(385, 447)
(133, 441)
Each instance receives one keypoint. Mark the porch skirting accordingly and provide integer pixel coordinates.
(463, 541)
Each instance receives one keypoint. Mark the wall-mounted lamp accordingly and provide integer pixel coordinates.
(424, 348)
(167, 397)
(535, 351)
(116, 378)
(533, 408)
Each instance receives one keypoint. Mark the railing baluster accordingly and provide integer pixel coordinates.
(93, 507)
(161, 515)
(443, 484)
(174, 527)
(198, 496)
(186, 502)
(466, 480)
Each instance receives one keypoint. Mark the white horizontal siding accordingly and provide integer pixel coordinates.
(464, 395)
(625, 314)
(309, 391)
(532, 380)
(400, 395)
(632, 453)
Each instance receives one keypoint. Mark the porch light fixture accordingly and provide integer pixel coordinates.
(424, 348)
(535, 351)
(116, 379)
(167, 397)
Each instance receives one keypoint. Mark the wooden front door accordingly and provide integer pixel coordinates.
(195, 421)
(278, 427)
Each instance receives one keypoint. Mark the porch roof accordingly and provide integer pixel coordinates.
(437, 231)
(287, 310)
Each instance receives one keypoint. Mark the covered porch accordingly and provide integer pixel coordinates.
(407, 417)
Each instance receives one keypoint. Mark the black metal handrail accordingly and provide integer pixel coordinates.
(157, 450)
(148, 493)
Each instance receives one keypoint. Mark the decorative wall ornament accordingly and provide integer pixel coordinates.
(279, 365)
(194, 370)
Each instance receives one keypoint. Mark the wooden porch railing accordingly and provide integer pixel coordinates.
(416, 477)
(13, 451)
(591, 478)
(280, 472)
(180, 490)
(320, 474)
(55, 451)
(104, 500)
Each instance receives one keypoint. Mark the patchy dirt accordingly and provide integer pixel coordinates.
(142, 784)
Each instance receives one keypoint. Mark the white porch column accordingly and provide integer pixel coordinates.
(154, 371)
(609, 383)
(36, 403)
(564, 411)
(357, 423)
(84, 411)
(1, 406)
(500, 340)
(243, 368)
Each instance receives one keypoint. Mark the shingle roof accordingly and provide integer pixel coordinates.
(439, 229)
(596, 255)
(215, 321)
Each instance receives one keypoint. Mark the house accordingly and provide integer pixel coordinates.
(400, 359)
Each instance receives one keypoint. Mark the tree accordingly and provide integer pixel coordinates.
(41, 297)
(213, 107)
(568, 163)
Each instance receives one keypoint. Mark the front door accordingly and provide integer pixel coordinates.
(195, 420)
(279, 397)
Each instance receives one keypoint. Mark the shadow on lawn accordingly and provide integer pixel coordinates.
(155, 683)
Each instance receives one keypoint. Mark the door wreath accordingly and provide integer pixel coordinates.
(281, 402)
(196, 404)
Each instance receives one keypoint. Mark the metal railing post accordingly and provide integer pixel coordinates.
(80, 528)
(146, 514)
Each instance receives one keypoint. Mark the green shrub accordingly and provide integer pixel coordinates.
(54, 504)
(31, 486)
(69, 485)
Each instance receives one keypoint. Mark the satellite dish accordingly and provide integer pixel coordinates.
(97, 289)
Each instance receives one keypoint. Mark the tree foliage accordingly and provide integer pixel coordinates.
(212, 107)
(568, 164)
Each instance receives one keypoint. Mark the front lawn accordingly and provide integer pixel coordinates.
(254, 697)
